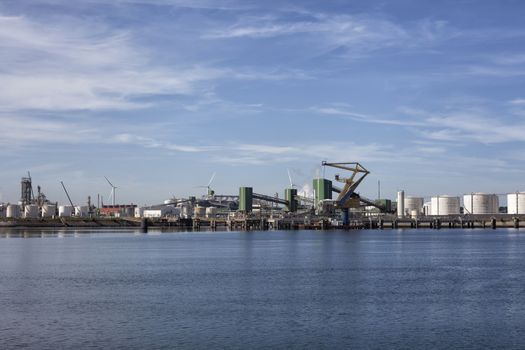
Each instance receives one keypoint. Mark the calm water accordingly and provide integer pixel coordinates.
(362, 289)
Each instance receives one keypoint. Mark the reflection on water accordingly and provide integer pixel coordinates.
(49, 232)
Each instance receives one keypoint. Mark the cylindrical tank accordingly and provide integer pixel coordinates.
(129, 211)
(139, 212)
(185, 211)
(445, 205)
(199, 212)
(211, 212)
(480, 203)
(65, 211)
(174, 211)
(401, 204)
(31, 211)
(48, 210)
(516, 203)
(82, 211)
(427, 208)
(413, 203)
(13, 211)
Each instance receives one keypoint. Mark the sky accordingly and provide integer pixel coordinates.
(158, 95)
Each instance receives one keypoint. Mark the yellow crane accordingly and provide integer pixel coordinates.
(348, 198)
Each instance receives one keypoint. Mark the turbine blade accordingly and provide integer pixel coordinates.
(109, 182)
(211, 180)
(292, 185)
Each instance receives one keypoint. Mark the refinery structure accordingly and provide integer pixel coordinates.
(334, 203)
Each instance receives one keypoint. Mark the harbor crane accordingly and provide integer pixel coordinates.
(348, 198)
(67, 194)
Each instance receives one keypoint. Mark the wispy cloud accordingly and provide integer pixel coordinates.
(191, 4)
(260, 153)
(469, 126)
(332, 30)
(20, 130)
(346, 112)
(518, 101)
(72, 65)
(148, 142)
(457, 125)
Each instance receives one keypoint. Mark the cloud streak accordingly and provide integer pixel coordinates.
(71, 66)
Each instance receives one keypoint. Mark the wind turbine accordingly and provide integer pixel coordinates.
(112, 193)
(210, 191)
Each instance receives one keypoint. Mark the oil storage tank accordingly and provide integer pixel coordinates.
(65, 211)
(82, 211)
(139, 212)
(185, 211)
(427, 208)
(13, 211)
(48, 210)
(516, 203)
(31, 211)
(480, 203)
(211, 212)
(445, 205)
(413, 203)
(199, 212)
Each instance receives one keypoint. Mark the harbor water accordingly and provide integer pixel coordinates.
(392, 289)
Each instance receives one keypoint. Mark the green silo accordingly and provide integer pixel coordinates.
(290, 195)
(322, 189)
(245, 199)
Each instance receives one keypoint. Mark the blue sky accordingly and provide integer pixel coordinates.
(157, 95)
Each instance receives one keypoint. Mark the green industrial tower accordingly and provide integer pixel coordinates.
(290, 195)
(322, 189)
(245, 199)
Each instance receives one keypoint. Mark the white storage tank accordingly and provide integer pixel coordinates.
(31, 211)
(401, 204)
(139, 212)
(414, 213)
(414, 203)
(211, 212)
(82, 211)
(516, 203)
(65, 211)
(445, 205)
(175, 211)
(427, 208)
(480, 203)
(48, 210)
(199, 212)
(185, 211)
(13, 211)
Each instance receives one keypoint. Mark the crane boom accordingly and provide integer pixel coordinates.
(344, 200)
(67, 194)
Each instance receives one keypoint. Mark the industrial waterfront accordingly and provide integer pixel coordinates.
(328, 206)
